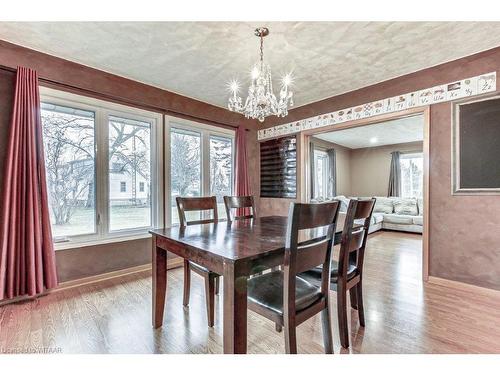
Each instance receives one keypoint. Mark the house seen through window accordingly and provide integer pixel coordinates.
(76, 173)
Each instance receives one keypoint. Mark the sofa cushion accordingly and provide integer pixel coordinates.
(377, 217)
(383, 205)
(420, 204)
(418, 220)
(344, 202)
(398, 219)
(405, 206)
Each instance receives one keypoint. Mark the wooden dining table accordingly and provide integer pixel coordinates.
(235, 250)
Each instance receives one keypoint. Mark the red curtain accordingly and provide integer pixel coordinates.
(242, 184)
(27, 259)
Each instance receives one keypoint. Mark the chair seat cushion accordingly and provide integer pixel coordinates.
(267, 291)
(315, 273)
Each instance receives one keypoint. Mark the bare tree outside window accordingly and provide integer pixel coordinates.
(185, 166)
(221, 175)
(69, 145)
(69, 142)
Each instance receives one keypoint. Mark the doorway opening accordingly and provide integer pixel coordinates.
(385, 157)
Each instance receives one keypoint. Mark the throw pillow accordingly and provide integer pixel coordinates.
(383, 205)
(406, 206)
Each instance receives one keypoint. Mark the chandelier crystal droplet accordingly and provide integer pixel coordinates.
(261, 101)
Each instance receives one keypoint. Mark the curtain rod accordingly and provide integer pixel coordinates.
(56, 84)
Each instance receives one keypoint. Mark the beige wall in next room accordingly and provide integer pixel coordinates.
(370, 168)
(342, 162)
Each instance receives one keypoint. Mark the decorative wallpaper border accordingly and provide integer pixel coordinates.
(478, 85)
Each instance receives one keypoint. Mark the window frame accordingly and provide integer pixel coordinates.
(412, 155)
(205, 131)
(103, 110)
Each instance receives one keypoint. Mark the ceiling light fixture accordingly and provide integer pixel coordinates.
(261, 101)
(373, 140)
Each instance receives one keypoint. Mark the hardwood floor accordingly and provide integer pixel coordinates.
(402, 316)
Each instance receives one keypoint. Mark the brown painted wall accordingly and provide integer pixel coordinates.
(62, 74)
(94, 260)
(71, 76)
(464, 231)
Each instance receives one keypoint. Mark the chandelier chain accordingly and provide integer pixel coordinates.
(261, 48)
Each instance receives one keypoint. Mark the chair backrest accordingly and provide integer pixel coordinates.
(316, 222)
(196, 204)
(354, 235)
(234, 203)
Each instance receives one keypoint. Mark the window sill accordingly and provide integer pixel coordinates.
(79, 244)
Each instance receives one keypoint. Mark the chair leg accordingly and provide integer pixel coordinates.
(187, 282)
(279, 328)
(210, 297)
(290, 339)
(327, 329)
(342, 316)
(354, 298)
(361, 309)
(217, 285)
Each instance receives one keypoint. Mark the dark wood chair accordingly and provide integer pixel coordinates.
(284, 297)
(235, 207)
(347, 273)
(211, 278)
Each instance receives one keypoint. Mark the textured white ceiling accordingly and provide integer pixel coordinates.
(408, 129)
(197, 59)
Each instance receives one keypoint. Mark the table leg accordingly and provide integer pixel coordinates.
(235, 311)
(159, 283)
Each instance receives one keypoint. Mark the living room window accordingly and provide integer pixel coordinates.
(412, 175)
(201, 164)
(322, 174)
(101, 167)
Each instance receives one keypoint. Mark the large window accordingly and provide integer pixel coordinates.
(101, 166)
(69, 143)
(412, 175)
(201, 164)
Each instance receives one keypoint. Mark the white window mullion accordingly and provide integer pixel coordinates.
(102, 178)
(205, 166)
(157, 168)
(166, 170)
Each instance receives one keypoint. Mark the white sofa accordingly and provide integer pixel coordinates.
(392, 213)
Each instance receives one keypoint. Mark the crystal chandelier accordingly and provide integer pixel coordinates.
(261, 101)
